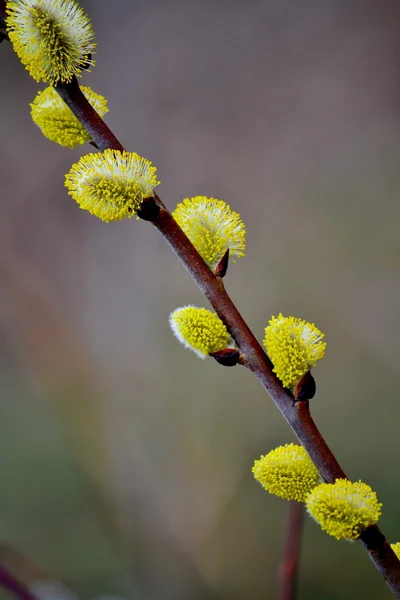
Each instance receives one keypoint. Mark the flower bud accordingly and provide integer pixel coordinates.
(287, 472)
(212, 227)
(111, 184)
(57, 122)
(344, 509)
(294, 346)
(200, 330)
(53, 38)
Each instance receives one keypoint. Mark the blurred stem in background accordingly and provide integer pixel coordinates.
(291, 554)
(16, 588)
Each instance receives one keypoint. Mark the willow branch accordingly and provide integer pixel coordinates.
(253, 356)
(291, 553)
(9, 582)
(297, 414)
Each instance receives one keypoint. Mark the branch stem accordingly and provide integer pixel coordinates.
(291, 554)
(253, 356)
(297, 414)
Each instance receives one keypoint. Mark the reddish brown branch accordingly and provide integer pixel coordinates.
(14, 586)
(291, 553)
(252, 355)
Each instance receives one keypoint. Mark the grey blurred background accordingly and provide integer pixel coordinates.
(125, 462)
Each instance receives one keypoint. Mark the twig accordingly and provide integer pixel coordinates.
(297, 414)
(18, 589)
(291, 553)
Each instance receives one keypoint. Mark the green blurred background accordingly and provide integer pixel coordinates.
(125, 462)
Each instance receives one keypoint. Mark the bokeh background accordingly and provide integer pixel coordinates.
(125, 462)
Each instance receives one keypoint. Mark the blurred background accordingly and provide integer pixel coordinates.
(125, 462)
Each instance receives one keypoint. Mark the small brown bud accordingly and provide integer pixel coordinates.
(228, 357)
(305, 389)
(148, 210)
(222, 266)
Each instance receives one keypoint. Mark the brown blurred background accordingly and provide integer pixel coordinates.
(125, 462)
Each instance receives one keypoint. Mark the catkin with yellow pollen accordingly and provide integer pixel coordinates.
(111, 185)
(57, 122)
(287, 472)
(53, 39)
(294, 346)
(200, 330)
(212, 227)
(344, 509)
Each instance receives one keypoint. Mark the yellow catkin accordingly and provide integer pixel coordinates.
(53, 39)
(57, 122)
(212, 227)
(344, 509)
(294, 346)
(200, 330)
(287, 472)
(111, 185)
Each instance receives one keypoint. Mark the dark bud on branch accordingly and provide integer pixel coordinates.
(305, 389)
(222, 266)
(148, 210)
(228, 357)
